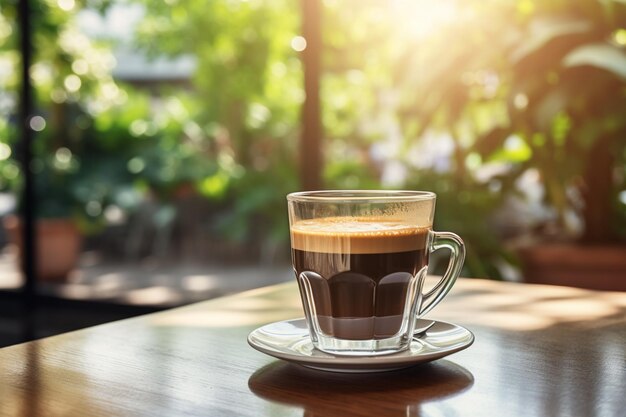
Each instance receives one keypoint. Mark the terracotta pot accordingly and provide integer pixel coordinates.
(58, 246)
(597, 267)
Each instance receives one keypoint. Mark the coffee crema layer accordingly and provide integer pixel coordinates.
(357, 236)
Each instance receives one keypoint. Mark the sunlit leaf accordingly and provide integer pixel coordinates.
(543, 31)
(561, 126)
(604, 56)
(214, 186)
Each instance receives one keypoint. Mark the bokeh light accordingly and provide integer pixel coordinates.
(37, 123)
(298, 43)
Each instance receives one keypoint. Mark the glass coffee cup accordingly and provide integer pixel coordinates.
(361, 259)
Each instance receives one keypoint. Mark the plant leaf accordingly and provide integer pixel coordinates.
(543, 31)
(600, 55)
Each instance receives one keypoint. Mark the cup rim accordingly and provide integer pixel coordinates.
(361, 196)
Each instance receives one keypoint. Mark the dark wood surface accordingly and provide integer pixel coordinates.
(539, 351)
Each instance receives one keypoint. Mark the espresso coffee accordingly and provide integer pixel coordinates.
(359, 272)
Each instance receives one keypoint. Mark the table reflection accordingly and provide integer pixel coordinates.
(399, 393)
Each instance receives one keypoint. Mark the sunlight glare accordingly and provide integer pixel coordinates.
(110, 281)
(153, 295)
(573, 309)
(66, 5)
(421, 18)
(216, 319)
(199, 283)
(77, 291)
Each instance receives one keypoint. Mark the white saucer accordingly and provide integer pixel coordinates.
(289, 340)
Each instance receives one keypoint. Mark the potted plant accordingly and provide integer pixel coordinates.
(523, 89)
(57, 236)
(77, 172)
(563, 84)
(566, 103)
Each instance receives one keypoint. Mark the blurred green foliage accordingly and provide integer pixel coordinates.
(462, 98)
(247, 90)
(465, 98)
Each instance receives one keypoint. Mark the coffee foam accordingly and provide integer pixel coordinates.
(355, 235)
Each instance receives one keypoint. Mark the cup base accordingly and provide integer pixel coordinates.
(370, 347)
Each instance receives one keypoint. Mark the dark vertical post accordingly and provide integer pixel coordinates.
(25, 146)
(311, 137)
(599, 193)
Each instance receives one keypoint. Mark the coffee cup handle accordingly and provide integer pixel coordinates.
(440, 240)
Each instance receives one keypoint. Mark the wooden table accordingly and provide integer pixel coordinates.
(539, 351)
